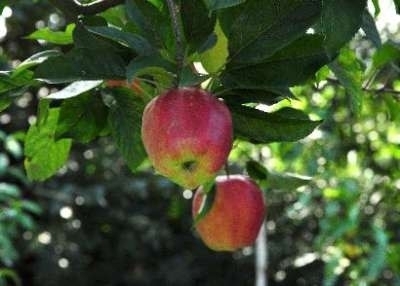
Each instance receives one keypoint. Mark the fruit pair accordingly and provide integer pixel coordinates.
(187, 134)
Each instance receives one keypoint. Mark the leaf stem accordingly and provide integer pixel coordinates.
(174, 11)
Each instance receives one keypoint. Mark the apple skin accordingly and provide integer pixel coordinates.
(235, 217)
(187, 134)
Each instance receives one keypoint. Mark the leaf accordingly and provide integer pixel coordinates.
(82, 118)
(209, 192)
(267, 96)
(264, 27)
(152, 22)
(284, 125)
(125, 122)
(370, 29)
(377, 259)
(198, 23)
(9, 190)
(275, 181)
(92, 58)
(290, 66)
(340, 20)
(74, 89)
(220, 4)
(54, 37)
(136, 42)
(44, 154)
(215, 58)
(387, 53)
(155, 66)
(397, 5)
(347, 68)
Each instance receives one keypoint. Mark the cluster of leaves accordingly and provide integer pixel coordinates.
(253, 52)
(349, 213)
(16, 212)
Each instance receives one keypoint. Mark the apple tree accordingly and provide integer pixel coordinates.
(110, 58)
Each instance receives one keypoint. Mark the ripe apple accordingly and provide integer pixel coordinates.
(187, 134)
(236, 214)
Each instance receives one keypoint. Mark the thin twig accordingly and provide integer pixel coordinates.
(178, 34)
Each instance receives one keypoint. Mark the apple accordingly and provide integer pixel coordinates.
(235, 216)
(187, 133)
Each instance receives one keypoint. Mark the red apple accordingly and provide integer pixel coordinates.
(187, 134)
(236, 214)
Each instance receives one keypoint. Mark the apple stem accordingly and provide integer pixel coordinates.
(174, 11)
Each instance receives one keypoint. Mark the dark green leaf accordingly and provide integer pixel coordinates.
(82, 118)
(81, 64)
(125, 122)
(370, 29)
(347, 68)
(256, 171)
(218, 4)
(92, 58)
(209, 193)
(284, 125)
(54, 37)
(264, 27)
(152, 22)
(397, 4)
(136, 42)
(198, 23)
(291, 66)
(340, 20)
(266, 96)
(44, 154)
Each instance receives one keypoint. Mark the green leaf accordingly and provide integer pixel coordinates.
(92, 58)
(9, 190)
(220, 4)
(275, 181)
(136, 42)
(198, 23)
(387, 53)
(264, 27)
(256, 171)
(152, 22)
(290, 66)
(284, 125)
(348, 70)
(159, 69)
(397, 5)
(215, 58)
(14, 84)
(340, 20)
(267, 96)
(370, 29)
(125, 122)
(209, 192)
(54, 37)
(74, 89)
(44, 154)
(82, 118)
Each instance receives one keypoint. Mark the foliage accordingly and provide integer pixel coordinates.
(306, 96)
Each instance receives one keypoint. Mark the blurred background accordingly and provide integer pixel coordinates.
(96, 223)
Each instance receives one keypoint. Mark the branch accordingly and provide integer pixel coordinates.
(73, 8)
(180, 53)
(384, 89)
